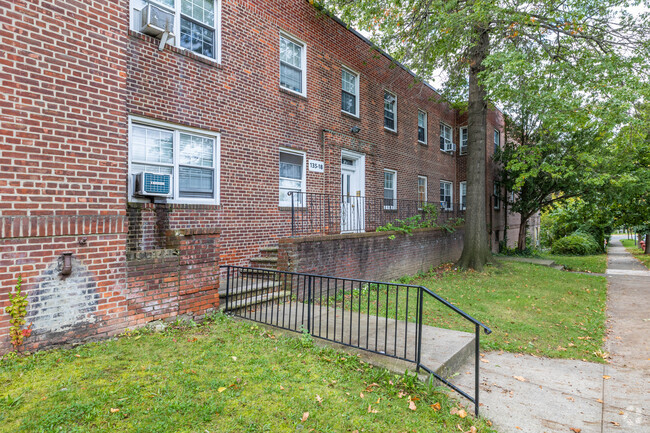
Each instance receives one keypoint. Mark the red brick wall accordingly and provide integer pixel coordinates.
(370, 256)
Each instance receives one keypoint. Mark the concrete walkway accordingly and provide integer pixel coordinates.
(560, 395)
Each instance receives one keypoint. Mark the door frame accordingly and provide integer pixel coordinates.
(360, 178)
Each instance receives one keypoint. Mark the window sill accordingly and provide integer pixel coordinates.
(289, 208)
(181, 51)
(292, 93)
(352, 116)
(174, 205)
(391, 131)
(447, 152)
(422, 143)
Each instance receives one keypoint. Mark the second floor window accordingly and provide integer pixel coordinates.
(292, 65)
(194, 22)
(497, 140)
(390, 111)
(349, 92)
(422, 127)
(463, 140)
(446, 136)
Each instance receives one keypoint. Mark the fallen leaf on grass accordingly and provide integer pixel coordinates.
(402, 394)
(222, 389)
(412, 405)
(575, 430)
(473, 429)
(371, 410)
(114, 410)
(319, 399)
(435, 406)
(78, 356)
(234, 358)
(281, 388)
(304, 416)
(462, 413)
(519, 378)
(361, 395)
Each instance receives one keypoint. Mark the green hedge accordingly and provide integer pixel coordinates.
(577, 244)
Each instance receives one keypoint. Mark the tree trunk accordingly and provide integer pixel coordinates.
(476, 251)
(521, 239)
(647, 243)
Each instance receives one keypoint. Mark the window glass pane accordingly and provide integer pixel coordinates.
(168, 3)
(194, 150)
(389, 180)
(421, 119)
(197, 38)
(139, 168)
(290, 53)
(196, 182)
(152, 145)
(199, 10)
(291, 78)
(348, 103)
(422, 135)
(290, 166)
(349, 82)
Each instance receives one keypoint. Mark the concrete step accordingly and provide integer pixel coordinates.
(269, 252)
(254, 300)
(266, 261)
(244, 286)
(261, 272)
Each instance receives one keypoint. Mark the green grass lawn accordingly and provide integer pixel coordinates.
(530, 308)
(637, 252)
(594, 264)
(227, 376)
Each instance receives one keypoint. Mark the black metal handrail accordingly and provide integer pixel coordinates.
(379, 317)
(317, 213)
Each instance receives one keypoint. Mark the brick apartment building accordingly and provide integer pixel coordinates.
(246, 101)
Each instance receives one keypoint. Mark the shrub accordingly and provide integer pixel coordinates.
(577, 244)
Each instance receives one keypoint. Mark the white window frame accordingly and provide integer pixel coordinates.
(394, 173)
(426, 191)
(451, 196)
(426, 127)
(394, 111)
(177, 130)
(303, 181)
(497, 139)
(358, 76)
(462, 190)
(497, 196)
(450, 140)
(137, 5)
(303, 62)
(462, 147)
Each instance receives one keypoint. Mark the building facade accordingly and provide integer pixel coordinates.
(250, 107)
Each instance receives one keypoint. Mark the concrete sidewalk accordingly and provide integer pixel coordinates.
(560, 395)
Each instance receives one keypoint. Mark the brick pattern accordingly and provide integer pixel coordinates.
(370, 256)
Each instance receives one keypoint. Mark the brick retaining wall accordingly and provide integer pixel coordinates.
(372, 256)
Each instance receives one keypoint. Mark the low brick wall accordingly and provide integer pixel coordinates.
(371, 256)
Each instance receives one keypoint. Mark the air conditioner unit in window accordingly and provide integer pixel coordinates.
(157, 21)
(450, 147)
(153, 184)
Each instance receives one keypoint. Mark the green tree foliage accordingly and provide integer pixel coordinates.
(578, 52)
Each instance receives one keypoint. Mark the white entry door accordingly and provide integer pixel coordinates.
(353, 207)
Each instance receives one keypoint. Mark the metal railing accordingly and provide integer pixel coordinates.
(316, 213)
(378, 317)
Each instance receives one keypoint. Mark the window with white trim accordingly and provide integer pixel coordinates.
(422, 127)
(390, 111)
(463, 195)
(464, 136)
(390, 189)
(497, 196)
(497, 140)
(292, 178)
(446, 138)
(189, 155)
(349, 92)
(196, 23)
(422, 191)
(293, 65)
(446, 195)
